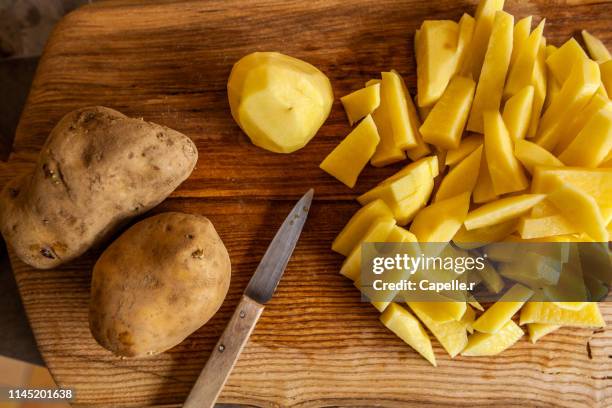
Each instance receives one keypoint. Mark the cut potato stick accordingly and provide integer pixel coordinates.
(377, 232)
(436, 59)
(483, 191)
(461, 178)
(581, 209)
(409, 329)
(540, 88)
(597, 49)
(539, 330)
(567, 135)
(467, 145)
(562, 61)
(593, 144)
(547, 226)
(397, 102)
(356, 228)
(482, 236)
(519, 36)
(549, 313)
(475, 54)
(452, 335)
(445, 123)
(491, 81)
(507, 174)
(485, 344)
(520, 73)
(517, 112)
(531, 155)
(501, 210)
(361, 103)
(349, 158)
(440, 221)
(496, 316)
(581, 85)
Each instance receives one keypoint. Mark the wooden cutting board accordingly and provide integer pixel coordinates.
(316, 343)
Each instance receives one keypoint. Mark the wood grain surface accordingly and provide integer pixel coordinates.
(316, 344)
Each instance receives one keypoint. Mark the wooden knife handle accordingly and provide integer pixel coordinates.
(208, 386)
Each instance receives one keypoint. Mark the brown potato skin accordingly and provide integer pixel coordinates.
(157, 283)
(97, 169)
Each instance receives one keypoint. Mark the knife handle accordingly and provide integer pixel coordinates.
(215, 373)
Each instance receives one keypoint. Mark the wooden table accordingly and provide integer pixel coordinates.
(316, 344)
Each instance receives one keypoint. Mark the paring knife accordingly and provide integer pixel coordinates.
(258, 292)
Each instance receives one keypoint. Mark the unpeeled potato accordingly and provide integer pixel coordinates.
(157, 283)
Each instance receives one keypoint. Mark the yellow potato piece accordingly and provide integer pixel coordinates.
(539, 82)
(407, 327)
(543, 209)
(280, 102)
(466, 33)
(469, 317)
(441, 220)
(520, 73)
(593, 144)
(501, 210)
(399, 234)
(606, 76)
(397, 101)
(539, 330)
(507, 175)
(595, 182)
(517, 113)
(490, 278)
(531, 269)
(571, 305)
(467, 145)
(445, 123)
(358, 225)
(491, 81)
(395, 191)
(475, 54)
(386, 151)
(483, 191)
(461, 178)
(561, 61)
(519, 37)
(405, 210)
(439, 310)
(427, 165)
(549, 313)
(486, 344)
(452, 335)
(436, 59)
(377, 232)
(567, 135)
(581, 208)
(547, 226)
(421, 149)
(481, 236)
(581, 85)
(597, 49)
(496, 316)
(552, 86)
(401, 185)
(531, 155)
(361, 103)
(349, 158)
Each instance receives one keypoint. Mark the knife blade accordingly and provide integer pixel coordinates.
(263, 283)
(258, 292)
